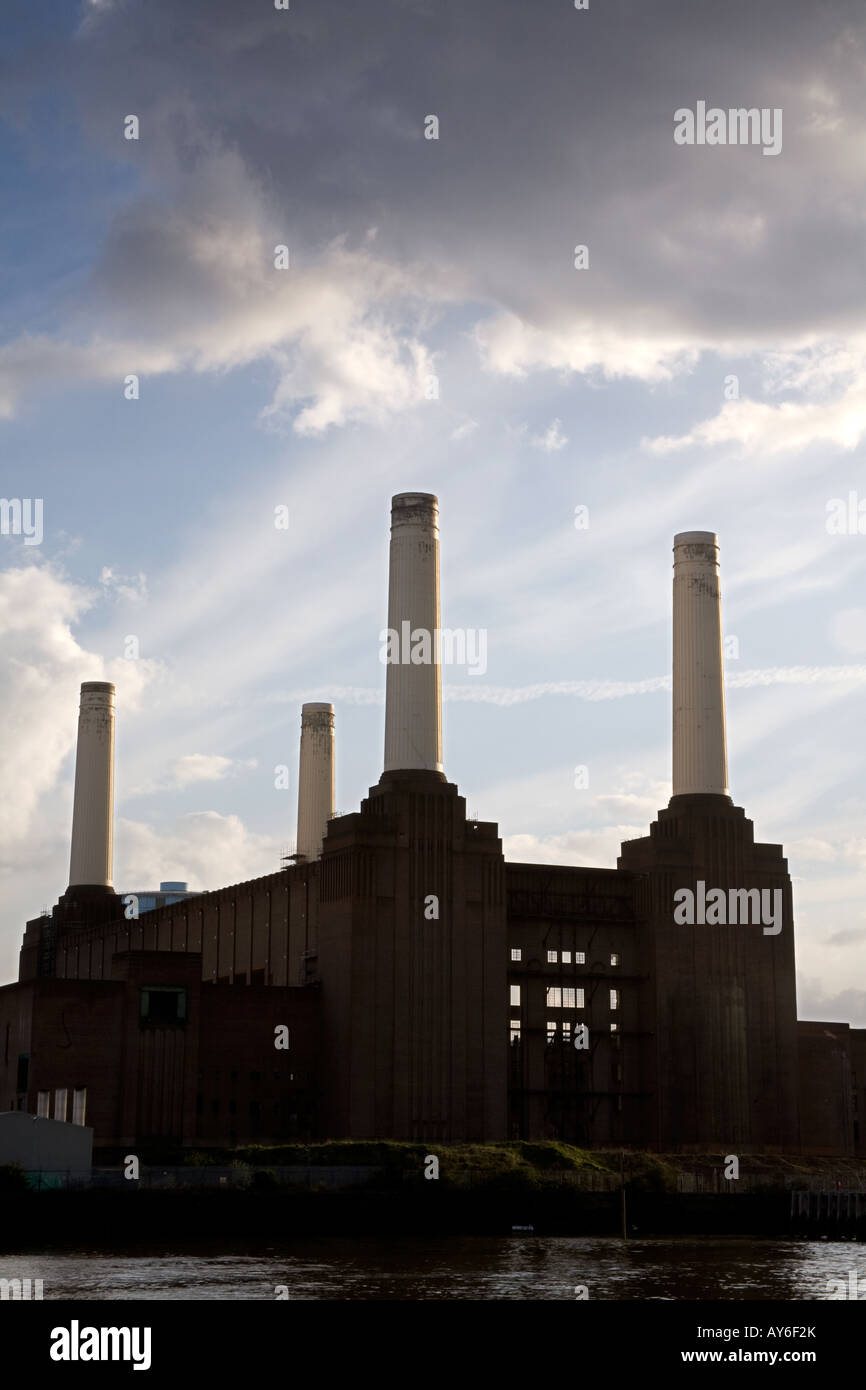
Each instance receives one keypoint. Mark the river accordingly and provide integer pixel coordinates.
(475, 1268)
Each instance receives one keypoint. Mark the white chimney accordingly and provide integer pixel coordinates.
(315, 778)
(700, 761)
(413, 690)
(91, 860)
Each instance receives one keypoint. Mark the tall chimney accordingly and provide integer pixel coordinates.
(315, 778)
(700, 761)
(413, 692)
(91, 860)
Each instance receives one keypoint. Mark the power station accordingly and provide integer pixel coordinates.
(401, 980)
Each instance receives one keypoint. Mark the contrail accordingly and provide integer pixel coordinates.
(590, 690)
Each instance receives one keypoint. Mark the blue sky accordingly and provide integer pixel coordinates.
(557, 388)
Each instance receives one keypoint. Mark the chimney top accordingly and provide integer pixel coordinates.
(316, 709)
(412, 499)
(696, 538)
(97, 687)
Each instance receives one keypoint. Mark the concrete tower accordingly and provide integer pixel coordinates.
(315, 778)
(413, 685)
(91, 859)
(700, 762)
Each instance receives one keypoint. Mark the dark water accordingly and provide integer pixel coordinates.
(522, 1267)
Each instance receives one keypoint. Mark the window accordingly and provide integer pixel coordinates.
(614, 999)
(614, 958)
(551, 1031)
(79, 1104)
(163, 1004)
(516, 953)
(580, 958)
(551, 958)
(566, 958)
(566, 1030)
(515, 996)
(43, 1104)
(565, 998)
(614, 1027)
(60, 1104)
(514, 1027)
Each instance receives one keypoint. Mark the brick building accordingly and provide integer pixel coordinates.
(424, 987)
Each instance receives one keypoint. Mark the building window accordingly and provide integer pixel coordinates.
(516, 953)
(551, 958)
(43, 1104)
(614, 958)
(514, 1027)
(614, 999)
(566, 958)
(566, 1030)
(614, 1027)
(60, 1104)
(515, 996)
(163, 1004)
(551, 1031)
(580, 958)
(79, 1104)
(564, 998)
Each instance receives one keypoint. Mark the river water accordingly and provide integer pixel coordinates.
(479, 1268)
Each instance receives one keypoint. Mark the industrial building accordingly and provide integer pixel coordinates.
(401, 980)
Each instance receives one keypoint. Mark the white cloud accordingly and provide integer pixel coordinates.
(204, 849)
(465, 430)
(42, 666)
(202, 767)
(583, 848)
(132, 588)
(552, 440)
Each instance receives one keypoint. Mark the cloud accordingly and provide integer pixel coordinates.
(201, 767)
(691, 250)
(596, 849)
(204, 849)
(848, 1005)
(130, 588)
(590, 690)
(465, 430)
(42, 666)
(552, 440)
(848, 936)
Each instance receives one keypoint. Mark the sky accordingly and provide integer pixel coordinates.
(702, 368)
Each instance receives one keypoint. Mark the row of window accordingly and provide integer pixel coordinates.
(515, 1029)
(563, 957)
(61, 1102)
(558, 997)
